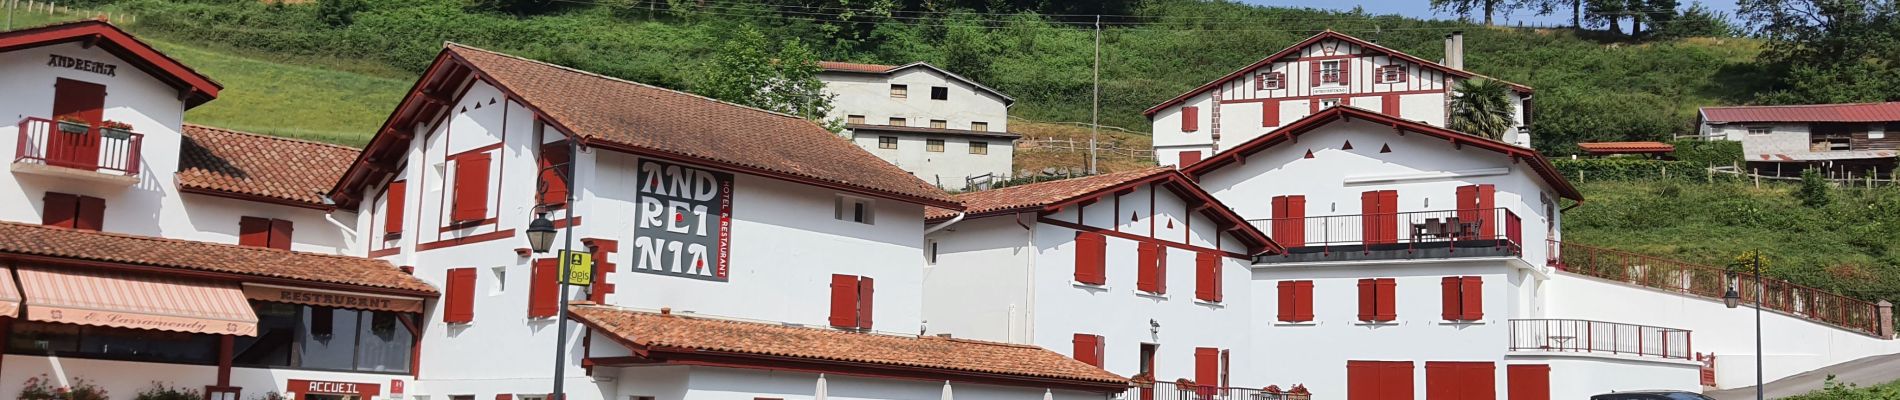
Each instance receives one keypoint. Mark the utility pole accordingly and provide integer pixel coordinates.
(1095, 111)
(1760, 392)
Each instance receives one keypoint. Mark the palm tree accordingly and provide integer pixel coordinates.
(1482, 108)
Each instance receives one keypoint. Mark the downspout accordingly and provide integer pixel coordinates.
(1567, 209)
(1029, 283)
(330, 215)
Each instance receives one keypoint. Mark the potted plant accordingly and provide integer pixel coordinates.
(115, 130)
(73, 125)
(1271, 389)
(1298, 392)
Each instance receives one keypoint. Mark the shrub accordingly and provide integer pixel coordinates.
(1816, 191)
(159, 391)
(1708, 152)
(41, 388)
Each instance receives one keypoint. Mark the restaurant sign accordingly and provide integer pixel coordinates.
(683, 221)
(363, 390)
(330, 298)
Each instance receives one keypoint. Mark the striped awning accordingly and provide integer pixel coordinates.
(9, 295)
(107, 298)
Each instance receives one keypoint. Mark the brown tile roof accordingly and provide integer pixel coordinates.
(841, 66)
(935, 131)
(1041, 194)
(18, 239)
(1626, 147)
(658, 333)
(646, 119)
(226, 162)
(1860, 112)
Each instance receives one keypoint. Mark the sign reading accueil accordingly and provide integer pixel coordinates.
(684, 221)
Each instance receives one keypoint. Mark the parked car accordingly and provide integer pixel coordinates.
(1651, 395)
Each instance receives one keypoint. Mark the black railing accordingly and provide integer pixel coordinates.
(1177, 391)
(1493, 227)
(1576, 335)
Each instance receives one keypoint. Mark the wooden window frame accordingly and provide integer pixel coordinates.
(979, 147)
(897, 121)
(980, 126)
(933, 145)
(1336, 75)
(940, 93)
(854, 119)
(900, 91)
(887, 142)
(939, 124)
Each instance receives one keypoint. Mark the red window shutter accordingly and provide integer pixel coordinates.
(280, 231)
(865, 292)
(1442, 381)
(1390, 105)
(1090, 257)
(1387, 309)
(1369, 208)
(1303, 301)
(504, 397)
(1278, 221)
(459, 303)
(1396, 380)
(544, 288)
(1389, 215)
(1207, 366)
(1189, 158)
(1473, 290)
(1345, 73)
(1286, 302)
(554, 180)
(471, 188)
(92, 214)
(1088, 349)
(844, 301)
(1528, 382)
(1207, 276)
(1451, 298)
(61, 210)
(1362, 380)
(1260, 81)
(1487, 215)
(1478, 380)
(1293, 229)
(1270, 113)
(1315, 67)
(398, 194)
(1147, 268)
(1190, 119)
(1367, 301)
(254, 231)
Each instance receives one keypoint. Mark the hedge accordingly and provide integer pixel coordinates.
(1631, 169)
(1708, 152)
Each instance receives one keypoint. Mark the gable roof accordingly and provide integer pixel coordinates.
(119, 43)
(1288, 133)
(1323, 35)
(666, 337)
(1853, 112)
(222, 162)
(646, 120)
(1052, 196)
(880, 69)
(36, 243)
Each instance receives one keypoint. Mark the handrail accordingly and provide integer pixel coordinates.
(1578, 335)
(91, 148)
(1489, 227)
(1189, 391)
(1712, 282)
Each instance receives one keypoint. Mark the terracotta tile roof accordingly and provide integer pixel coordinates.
(1861, 112)
(63, 243)
(658, 333)
(116, 41)
(1626, 147)
(1041, 194)
(227, 162)
(1316, 38)
(646, 119)
(937, 131)
(841, 66)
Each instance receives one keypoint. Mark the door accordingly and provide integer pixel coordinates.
(1379, 213)
(85, 101)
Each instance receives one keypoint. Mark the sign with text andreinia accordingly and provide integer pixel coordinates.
(685, 221)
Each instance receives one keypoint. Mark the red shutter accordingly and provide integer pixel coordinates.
(1451, 298)
(1528, 382)
(1286, 305)
(554, 180)
(92, 214)
(544, 288)
(1367, 302)
(1278, 221)
(1387, 309)
(1371, 229)
(1146, 268)
(1442, 381)
(471, 188)
(61, 210)
(1345, 73)
(398, 192)
(1088, 349)
(1473, 298)
(865, 297)
(459, 304)
(504, 397)
(1390, 105)
(1207, 366)
(1090, 251)
(1270, 113)
(1487, 215)
(1190, 119)
(254, 231)
(844, 301)
(1207, 276)
(280, 231)
(1260, 81)
(1478, 380)
(1395, 379)
(1389, 215)
(1303, 301)
(1295, 227)
(1362, 380)
(1189, 158)
(1314, 66)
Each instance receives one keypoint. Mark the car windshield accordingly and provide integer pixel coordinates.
(1685, 396)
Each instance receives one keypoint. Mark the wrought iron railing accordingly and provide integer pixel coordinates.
(1177, 391)
(1490, 227)
(1712, 282)
(78, 146)
(1576, 335)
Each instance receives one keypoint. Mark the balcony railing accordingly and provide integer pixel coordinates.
(1712, 282)
(1576, 335)
(1493, 230)
(1175, 391)
(90, 148)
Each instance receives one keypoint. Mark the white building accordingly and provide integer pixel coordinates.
(1139, 272)
(945, 128)
(1856, 138)
(1325, 70)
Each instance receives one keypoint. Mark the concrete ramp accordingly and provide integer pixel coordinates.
(1864, 372)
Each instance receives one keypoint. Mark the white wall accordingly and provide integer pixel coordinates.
(125, 379)
(978, 288)
(946, 169)
(1579, 377)
(869, 95)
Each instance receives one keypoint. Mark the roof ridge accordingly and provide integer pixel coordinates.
(598, 75)
(274, 137)
(175, 240)
(781, 324)
(1876, 103)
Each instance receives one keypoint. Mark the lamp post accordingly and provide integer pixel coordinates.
(541, 236)
(1733, 299)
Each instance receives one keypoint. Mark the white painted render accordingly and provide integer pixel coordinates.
(1579, 376)
(868, 95)
(948, 169)
(712, 383)
(125, 379)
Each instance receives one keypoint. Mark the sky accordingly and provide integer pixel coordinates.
(1423, 9)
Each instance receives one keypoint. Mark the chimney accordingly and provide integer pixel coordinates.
(1455, 50)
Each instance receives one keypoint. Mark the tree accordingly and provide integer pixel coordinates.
(784, 81)
(1465, 7)
(1548, 7)
(1816, 191)
(1696, 21)
(1482, 107)
(1828, 50)
(339, 12)
(1607, 12)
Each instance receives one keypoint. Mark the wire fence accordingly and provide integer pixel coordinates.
(1072, 145)
(15, 7)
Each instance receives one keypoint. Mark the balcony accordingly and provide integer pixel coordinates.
(1493, 232)
(1598, 337)
(1180, 391)
(77, 151)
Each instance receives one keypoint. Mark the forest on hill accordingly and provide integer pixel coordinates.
(1592, 85)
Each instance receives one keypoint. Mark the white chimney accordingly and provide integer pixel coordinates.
(1455, 50)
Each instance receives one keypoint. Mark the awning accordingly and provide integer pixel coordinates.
(106, 298)
(332, 298)
(9, 295)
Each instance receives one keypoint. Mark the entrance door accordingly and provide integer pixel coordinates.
(85, 101)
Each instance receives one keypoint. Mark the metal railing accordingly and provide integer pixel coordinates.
(1576, 335)
(1712, 282)
(1494, 227)
(1176, 391)
(87, 147)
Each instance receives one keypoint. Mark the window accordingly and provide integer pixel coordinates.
(855, 209)
(933, 145)
(1207, 366)
(395, 200)
(264, 232)
(1461, 381)
(887, 142)
(501, 281)
(74, 211)
(1189, 158)
(1190, 119)
(1207, 276)
(939, 124)
(939, 93)
(1289, 220)
(900, 91)
(930, 251)
(1296, 301)
(1330, 71)
(1328, 103)
(1376, 300)
(288, 335)
(1147, 359)
(544, 288)
(471, 188)
(980, 126)
(83, 341)
(1392, 74)
(1382, 207)
(1090, 258)
(555, 164)
(979, 147)
(851, 301)
(1375, 380)
(1088, 349)
(458, 304)
(1463, 298)
(854, 119)
(1270, 80)
(1151, 268)
(898, 121)
(1760, 130)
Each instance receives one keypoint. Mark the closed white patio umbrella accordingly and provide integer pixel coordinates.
(946, 390)
(820, 394)
(1046, 395)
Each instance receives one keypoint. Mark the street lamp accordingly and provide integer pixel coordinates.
(1733, 298)
(541, 234)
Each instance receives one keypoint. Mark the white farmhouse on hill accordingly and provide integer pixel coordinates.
(945, 128)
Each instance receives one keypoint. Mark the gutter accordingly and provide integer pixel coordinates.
(945, 224)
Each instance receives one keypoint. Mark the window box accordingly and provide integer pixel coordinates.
(73, 127)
